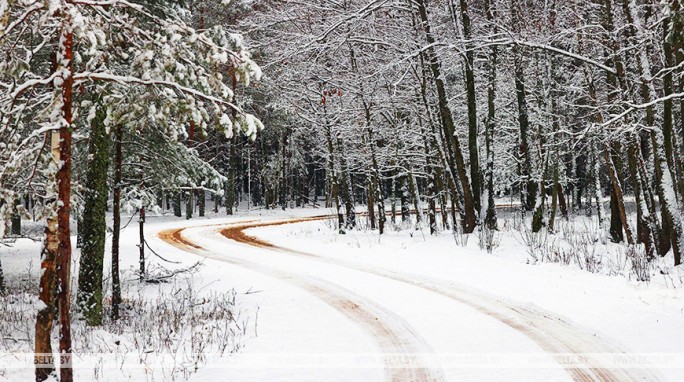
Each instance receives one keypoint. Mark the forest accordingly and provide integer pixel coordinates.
(453, 104)
(457, 117)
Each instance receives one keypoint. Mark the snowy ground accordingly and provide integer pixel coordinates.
(633, 317)
(405, 306)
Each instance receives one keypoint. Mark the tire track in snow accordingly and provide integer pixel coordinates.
(551, 334)
(392, 334)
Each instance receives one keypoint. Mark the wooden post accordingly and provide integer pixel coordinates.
(141, 223)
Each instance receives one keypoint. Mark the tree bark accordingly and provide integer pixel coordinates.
(448, 125)
(538, 216)
(16, 219)
(528, 185)
(555, 190)
(475, 174)
(189, 204)
(3, 289)
(645, 232)
(201, 202)
(48, 280)
(94, 227)
(404, 198)
(617, 203)
(332, 172)
(232, 173)
(346, 189)
(616, 221)
(673, 230)
(371, 202)
(490, 219)
(413, 186)
(667, 104)
(441, 190)
(116, 228)
(65, 57)
(677, 41)
(431, 194)
(177, 201)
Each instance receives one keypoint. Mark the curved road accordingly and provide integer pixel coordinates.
(392, 334)
(396, 336)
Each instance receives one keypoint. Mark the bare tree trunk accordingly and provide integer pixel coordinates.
(94, 228)
(16, 219)
(177, 201)
(371, 202)
(645, 232)
(65, 56)
(413, 186)
(555, 190)
(202, 200)
(448, 122)
(440, 141)
(677, 37)
(671, 215)
(382, 216)
(600, 211)
(347, 190)
(334, 181)
(673, 230)
(116, 229)
(538, 216)
(562, 202)
(393, 201)
(528, 186)
(475, 174)
(618, 221)
(189, 204)
(230, 197)
(490, 220)
(441, 191)
(376, 182)
(405, 209)
(48, 279)
(431, 193)
(667, 90)
(3, 289)
(617, 203)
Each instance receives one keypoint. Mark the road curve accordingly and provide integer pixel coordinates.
(392, 334)
(550, 333)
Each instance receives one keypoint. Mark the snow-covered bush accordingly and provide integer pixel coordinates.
(488, 239)
(641, 268)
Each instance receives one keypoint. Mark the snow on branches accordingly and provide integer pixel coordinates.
(152, 69)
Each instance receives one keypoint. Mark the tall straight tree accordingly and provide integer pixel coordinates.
(116, 226)
(48, 279)
(490, 220)
(447, 119)
(94, 227)
(64, 88)
(475, 175)
(528, 185)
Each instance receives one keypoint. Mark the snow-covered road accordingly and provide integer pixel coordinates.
(328, 318)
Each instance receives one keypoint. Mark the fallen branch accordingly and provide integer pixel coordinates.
(162, 278)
